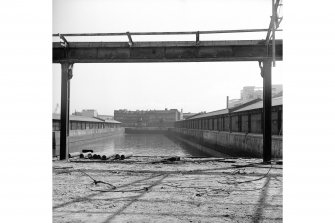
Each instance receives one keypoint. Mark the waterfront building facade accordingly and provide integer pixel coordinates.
(87, 113)
(149, 118)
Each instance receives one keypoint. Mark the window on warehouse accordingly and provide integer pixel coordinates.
(256, 123)
(234, 123)
(244, 123)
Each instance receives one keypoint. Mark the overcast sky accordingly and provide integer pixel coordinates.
(193, 87)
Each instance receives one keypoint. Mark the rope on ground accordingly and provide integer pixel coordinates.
(205, 190)
(98, 181)
(229, 191)
(112, 189)
(266, 183)
(122, 191)
(62, 168)
(247, 181)
(170, 185)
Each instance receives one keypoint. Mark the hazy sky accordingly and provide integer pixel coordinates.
(193, 87)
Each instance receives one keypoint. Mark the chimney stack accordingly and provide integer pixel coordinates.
(227, 102)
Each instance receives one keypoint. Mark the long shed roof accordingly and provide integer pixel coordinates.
(213, 113)
(109, 121)
(78, 118)
(251, 105)
(275, 102)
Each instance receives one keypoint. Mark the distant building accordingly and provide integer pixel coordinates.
(181, 117)
(87, 113)
(277, 89)
(149, 118)
(77, 113)
(249, 93)
(280, 94)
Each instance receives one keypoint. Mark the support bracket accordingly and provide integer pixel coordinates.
(70, 71)
(130, 41)
(197, 40)
(65, 43)
(279, 21)
(260, 64)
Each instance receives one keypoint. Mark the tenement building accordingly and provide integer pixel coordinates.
(148, 118)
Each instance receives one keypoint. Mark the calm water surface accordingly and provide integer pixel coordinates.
(139, 145)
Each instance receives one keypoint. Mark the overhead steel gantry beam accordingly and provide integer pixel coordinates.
(67, 53)
(187, 51)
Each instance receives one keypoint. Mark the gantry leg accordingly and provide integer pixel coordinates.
(65, 105)
(267, 104)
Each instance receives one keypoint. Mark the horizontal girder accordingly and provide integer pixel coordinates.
(168, 51)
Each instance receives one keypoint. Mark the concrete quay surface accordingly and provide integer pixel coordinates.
(149, 189)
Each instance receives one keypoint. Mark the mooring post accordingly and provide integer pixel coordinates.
(64, 119)
(267, 113)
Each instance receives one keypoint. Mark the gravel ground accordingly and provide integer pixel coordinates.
(189, 190)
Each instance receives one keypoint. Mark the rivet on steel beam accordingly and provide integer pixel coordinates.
(130, 41)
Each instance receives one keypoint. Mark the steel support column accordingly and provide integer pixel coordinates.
(64, 119)
(267, 104)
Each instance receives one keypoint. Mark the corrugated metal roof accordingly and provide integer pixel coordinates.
(78, 118)
(275, 102)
